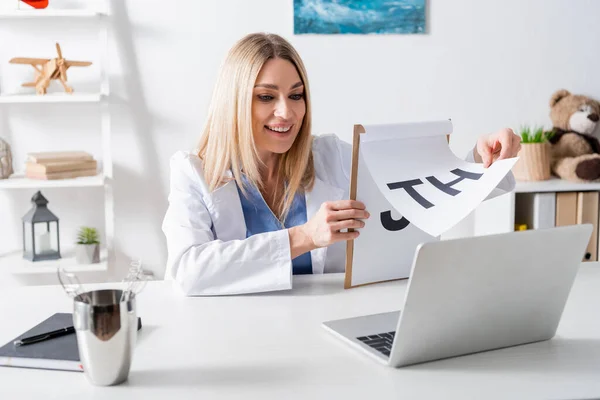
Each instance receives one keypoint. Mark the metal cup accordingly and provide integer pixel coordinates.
(106, 331)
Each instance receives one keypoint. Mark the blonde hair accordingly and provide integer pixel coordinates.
(227, 141)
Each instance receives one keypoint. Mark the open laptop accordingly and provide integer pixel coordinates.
(474, 294)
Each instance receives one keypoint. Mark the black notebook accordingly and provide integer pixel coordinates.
(58, 353)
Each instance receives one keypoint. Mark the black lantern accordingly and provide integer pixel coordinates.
(40, 232)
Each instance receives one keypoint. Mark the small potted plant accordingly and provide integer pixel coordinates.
(534, 156)
(88, 246)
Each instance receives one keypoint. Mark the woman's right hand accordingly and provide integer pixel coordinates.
(323, 229)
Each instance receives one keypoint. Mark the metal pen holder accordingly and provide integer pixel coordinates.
(105, 322)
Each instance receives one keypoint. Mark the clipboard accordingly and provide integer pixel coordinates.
(354, 172)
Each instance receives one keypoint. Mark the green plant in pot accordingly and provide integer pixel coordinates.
(534, 156)
(87, 250)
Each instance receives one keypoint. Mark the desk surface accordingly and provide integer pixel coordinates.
(273, 346)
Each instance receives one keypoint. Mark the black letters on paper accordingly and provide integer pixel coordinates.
(391, 224)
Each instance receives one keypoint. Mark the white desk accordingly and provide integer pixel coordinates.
(272, 346)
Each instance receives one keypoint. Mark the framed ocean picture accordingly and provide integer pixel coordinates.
(359, 16)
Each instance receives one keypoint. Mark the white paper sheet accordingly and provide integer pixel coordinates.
(418, 174)
(386, 246)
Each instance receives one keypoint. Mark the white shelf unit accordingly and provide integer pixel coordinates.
(498, 215)
(13, 261)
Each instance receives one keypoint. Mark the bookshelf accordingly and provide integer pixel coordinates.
(499, 215)
(12, 261)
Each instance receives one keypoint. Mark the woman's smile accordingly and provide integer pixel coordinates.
(279, 131)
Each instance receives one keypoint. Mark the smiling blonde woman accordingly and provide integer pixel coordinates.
(262, 198)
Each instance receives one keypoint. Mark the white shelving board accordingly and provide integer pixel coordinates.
(20, 182)
(51, 98)
(50, 13)
(16, 264)
(555, 185)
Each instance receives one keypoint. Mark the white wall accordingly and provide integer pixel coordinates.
(485, 64)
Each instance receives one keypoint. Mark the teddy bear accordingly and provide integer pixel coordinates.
(575, 151)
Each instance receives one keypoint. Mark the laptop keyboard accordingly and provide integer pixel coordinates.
(381, 342)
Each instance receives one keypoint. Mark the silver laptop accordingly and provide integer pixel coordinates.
(474, 294)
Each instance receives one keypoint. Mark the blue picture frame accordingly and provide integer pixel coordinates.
(359, 16)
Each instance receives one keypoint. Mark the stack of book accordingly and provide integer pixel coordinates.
(60, 165)
(550, 209)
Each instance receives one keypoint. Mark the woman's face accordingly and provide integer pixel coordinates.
(278, 107)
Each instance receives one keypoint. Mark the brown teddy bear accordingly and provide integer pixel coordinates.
(575, 152)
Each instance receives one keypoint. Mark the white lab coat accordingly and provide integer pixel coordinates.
(208, 252)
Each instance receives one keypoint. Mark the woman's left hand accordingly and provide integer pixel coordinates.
(496, 146)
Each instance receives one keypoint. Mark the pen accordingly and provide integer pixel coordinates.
(44, 336)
